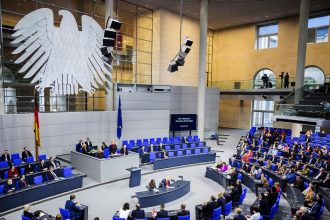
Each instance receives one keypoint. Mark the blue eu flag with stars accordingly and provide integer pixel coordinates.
(119, 120)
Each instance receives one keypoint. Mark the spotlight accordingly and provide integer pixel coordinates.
(187, 42)
(173, 67)
(114, 24)
(108, 42)
(108, 58)
(185, 49)
(105, 50)
(179, 60)
(110, 33)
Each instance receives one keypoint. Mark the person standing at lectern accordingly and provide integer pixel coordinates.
(152, 185)
(166, 182)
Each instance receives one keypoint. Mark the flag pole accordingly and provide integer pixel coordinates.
(36, 147)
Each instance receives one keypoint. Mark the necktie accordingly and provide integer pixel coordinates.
(54, 175)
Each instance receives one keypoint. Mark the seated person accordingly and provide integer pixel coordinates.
(321, 175)
(113, 147)
(26, 154)
(326, 181)
(264, 181)
(51, 174)
(84, 149)
(268, 164)
(185, 139)
(99, 153)
(221, 201)
(124, 212)
(124, 150)
(223, 167)
(29, 169)
(255, 214)
(104, 146)
(166, 182)
(5, 156)
(305, 171)
(316, 207)
(183, 211)
(27, 213)
(138, 213)
(73, 207)
(152, 185)
(309, 195)
(79, 145)
(162, 213)
(246, 168)
(12, 172)
(299, 183)
(42, 166)
(291, 176)
(302, 214)
(59, 217)
(208, 207)
(10, 186)
(239, 215)
(22, 182)
(260, 161)
(245, 158)
(54, 163)
(253, 171)
(278, 187)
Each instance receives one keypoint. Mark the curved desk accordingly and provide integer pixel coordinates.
(221, 178)
(249, 181)
(151, 198)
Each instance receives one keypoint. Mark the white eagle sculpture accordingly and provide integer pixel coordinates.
(64, 58)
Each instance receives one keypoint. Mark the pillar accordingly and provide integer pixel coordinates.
(301, 51)
(202, 67)
(109, 89)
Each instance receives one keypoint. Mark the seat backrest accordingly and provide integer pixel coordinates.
(177, 147)
(5, 174)
(4, 164)
(17, 162)
(14, 156)
(167, 147)
(22, 171)
(67, 171)
(162, 218)
(42, 157)
(271, 182)
(25, 218)
(179, 153)
(2, 189)
(184, 146)
(206, 150)
(37, 179)
(65, 213)
(228, 207)
(188, 152)
(306, 185)
(152, 155)
(197, 151)
(184, 217)
(29, 159)
(216, 213)
(171, 154)
(106, 153)
(192, 145)
(239, 176)
(200, 144)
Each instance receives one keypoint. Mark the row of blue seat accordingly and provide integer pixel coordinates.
(164, 140)
(16, 160)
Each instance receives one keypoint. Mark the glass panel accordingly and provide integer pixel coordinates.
(144, 22)
(318, 22)
(258, 80)
(144, 34)
(273, 41)
(268, 119)
(311, 36)
(314, 75)
(143, 45)
(257, 119)
(269, 29)
(263, 42)
(143, 57)
(322, 35)
(264, 105)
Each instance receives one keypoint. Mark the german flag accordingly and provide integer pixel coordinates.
(36, 122)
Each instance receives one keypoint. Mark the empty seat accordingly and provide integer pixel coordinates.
(197, 151)
(106, 153)
(167, 147)
(188, 152)
(146, 140)
(177, 147)
(171, 154)
(22, 171)
(125, 142)
(184, 146)
(180, 153)
(206, 150)
(4, 164)
(132, 142)
(67, 171)
(184, 217)
(42, 157)
(2, 189)
(152, 157)
(192, 145)
(201, 144)
(17, 162)
(29, 159)
(14, 156)
(37, 179)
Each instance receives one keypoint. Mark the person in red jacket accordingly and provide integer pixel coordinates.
(12, 172)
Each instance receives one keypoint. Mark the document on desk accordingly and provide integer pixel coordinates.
(171, 187)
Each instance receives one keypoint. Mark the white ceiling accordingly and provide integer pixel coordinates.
(229, 13)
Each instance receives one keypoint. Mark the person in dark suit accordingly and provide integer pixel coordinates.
(5, 156)
(73, 207)
(27, 213)
(113, 147)
(123, 150)
(239, 215)
(138, 213)
(316, 208)
(183, 211)
(22, 182)
(53, 163)
(207, 208)
(51, 174)
(272, 196)
(10, 186)
(321, 175)
(79, 145)
(263, 205)
(326, 181)
(299, 183)
(162, 213)
(26, 154)
(42, 166)
(88, 143)
(239, 187)
(29, 169)
(234, 194)
(166, 182)
(221, 201)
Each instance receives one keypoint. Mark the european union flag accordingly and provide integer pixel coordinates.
(119, 120)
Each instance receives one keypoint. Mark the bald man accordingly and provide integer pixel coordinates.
(166, 182)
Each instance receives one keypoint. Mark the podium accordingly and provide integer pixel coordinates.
(135, 177)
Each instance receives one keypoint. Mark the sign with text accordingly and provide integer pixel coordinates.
(183, 122)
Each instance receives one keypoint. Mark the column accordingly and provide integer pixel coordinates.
(202, 67)
(109, 90)
(301, 51)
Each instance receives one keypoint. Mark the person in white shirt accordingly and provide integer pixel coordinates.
(124, 212)
(256, 214)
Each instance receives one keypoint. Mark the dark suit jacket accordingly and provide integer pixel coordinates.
(139, 214)
(55, 165)
(321, 177)
(30, 215)
(315, 210)
(235, 196)
(183, 213)
(41, 167)
(207, 210)
(162, 214)
(221, 203)
(88, 143)
(73, 209)
(5, 157)
(164, 182)
(264, 207)
(10, 187)
(51, 176)
(21, 184)
(272, 199)
(122, 151)
(26, 155)
(300, 185)
(239, 217)
(326, 183)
